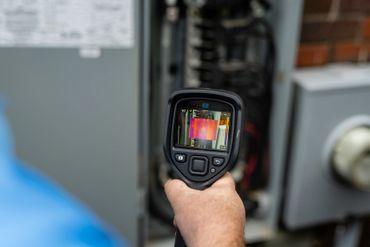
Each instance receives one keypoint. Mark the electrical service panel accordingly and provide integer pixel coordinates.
(328, 166)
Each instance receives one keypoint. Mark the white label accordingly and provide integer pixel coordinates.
(90, 52)
(66, 23)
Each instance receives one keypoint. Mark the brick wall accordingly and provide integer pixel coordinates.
(334, 31)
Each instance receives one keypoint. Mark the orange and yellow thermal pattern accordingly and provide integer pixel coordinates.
(202, 128)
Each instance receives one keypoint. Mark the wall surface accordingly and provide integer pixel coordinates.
(334, 31)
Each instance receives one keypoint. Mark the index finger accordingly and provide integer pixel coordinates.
(173, 187)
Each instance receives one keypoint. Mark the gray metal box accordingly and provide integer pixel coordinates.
(78, 120)
(324, 99)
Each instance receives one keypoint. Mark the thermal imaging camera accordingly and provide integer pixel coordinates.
(202, 134)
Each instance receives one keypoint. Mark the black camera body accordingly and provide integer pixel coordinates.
(202, 135)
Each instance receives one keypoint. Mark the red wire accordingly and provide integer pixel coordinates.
(252, 163)
(251, 129)
(252, 159)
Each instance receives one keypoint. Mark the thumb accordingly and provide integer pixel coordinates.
(173, 189)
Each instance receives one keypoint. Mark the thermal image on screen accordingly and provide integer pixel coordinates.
(203, 129)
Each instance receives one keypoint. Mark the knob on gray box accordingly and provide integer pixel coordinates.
(328, 166)
(350, 157)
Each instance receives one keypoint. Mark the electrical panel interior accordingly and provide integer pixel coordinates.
(215, 44)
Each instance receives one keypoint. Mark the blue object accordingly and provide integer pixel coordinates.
(36, 212)
(205, 105)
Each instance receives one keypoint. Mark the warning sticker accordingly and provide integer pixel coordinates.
(66, 23)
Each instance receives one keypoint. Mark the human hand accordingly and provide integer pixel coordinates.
(211, 217)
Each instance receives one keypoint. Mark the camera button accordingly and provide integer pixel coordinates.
(198, 166)
(218, 161)
(180, 158)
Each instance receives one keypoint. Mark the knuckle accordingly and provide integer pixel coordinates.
(168, 185)
(172, 185)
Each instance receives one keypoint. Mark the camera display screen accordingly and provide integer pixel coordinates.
(203, 128)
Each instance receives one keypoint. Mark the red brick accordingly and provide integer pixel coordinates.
(316, 7)
(346, 52)
(315, 31)
(312, 55)
(345, 29)
(366, 51)
(355, 6)
(319, 31)
(366, 28)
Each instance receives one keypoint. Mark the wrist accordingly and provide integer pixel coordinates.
(219, 237)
